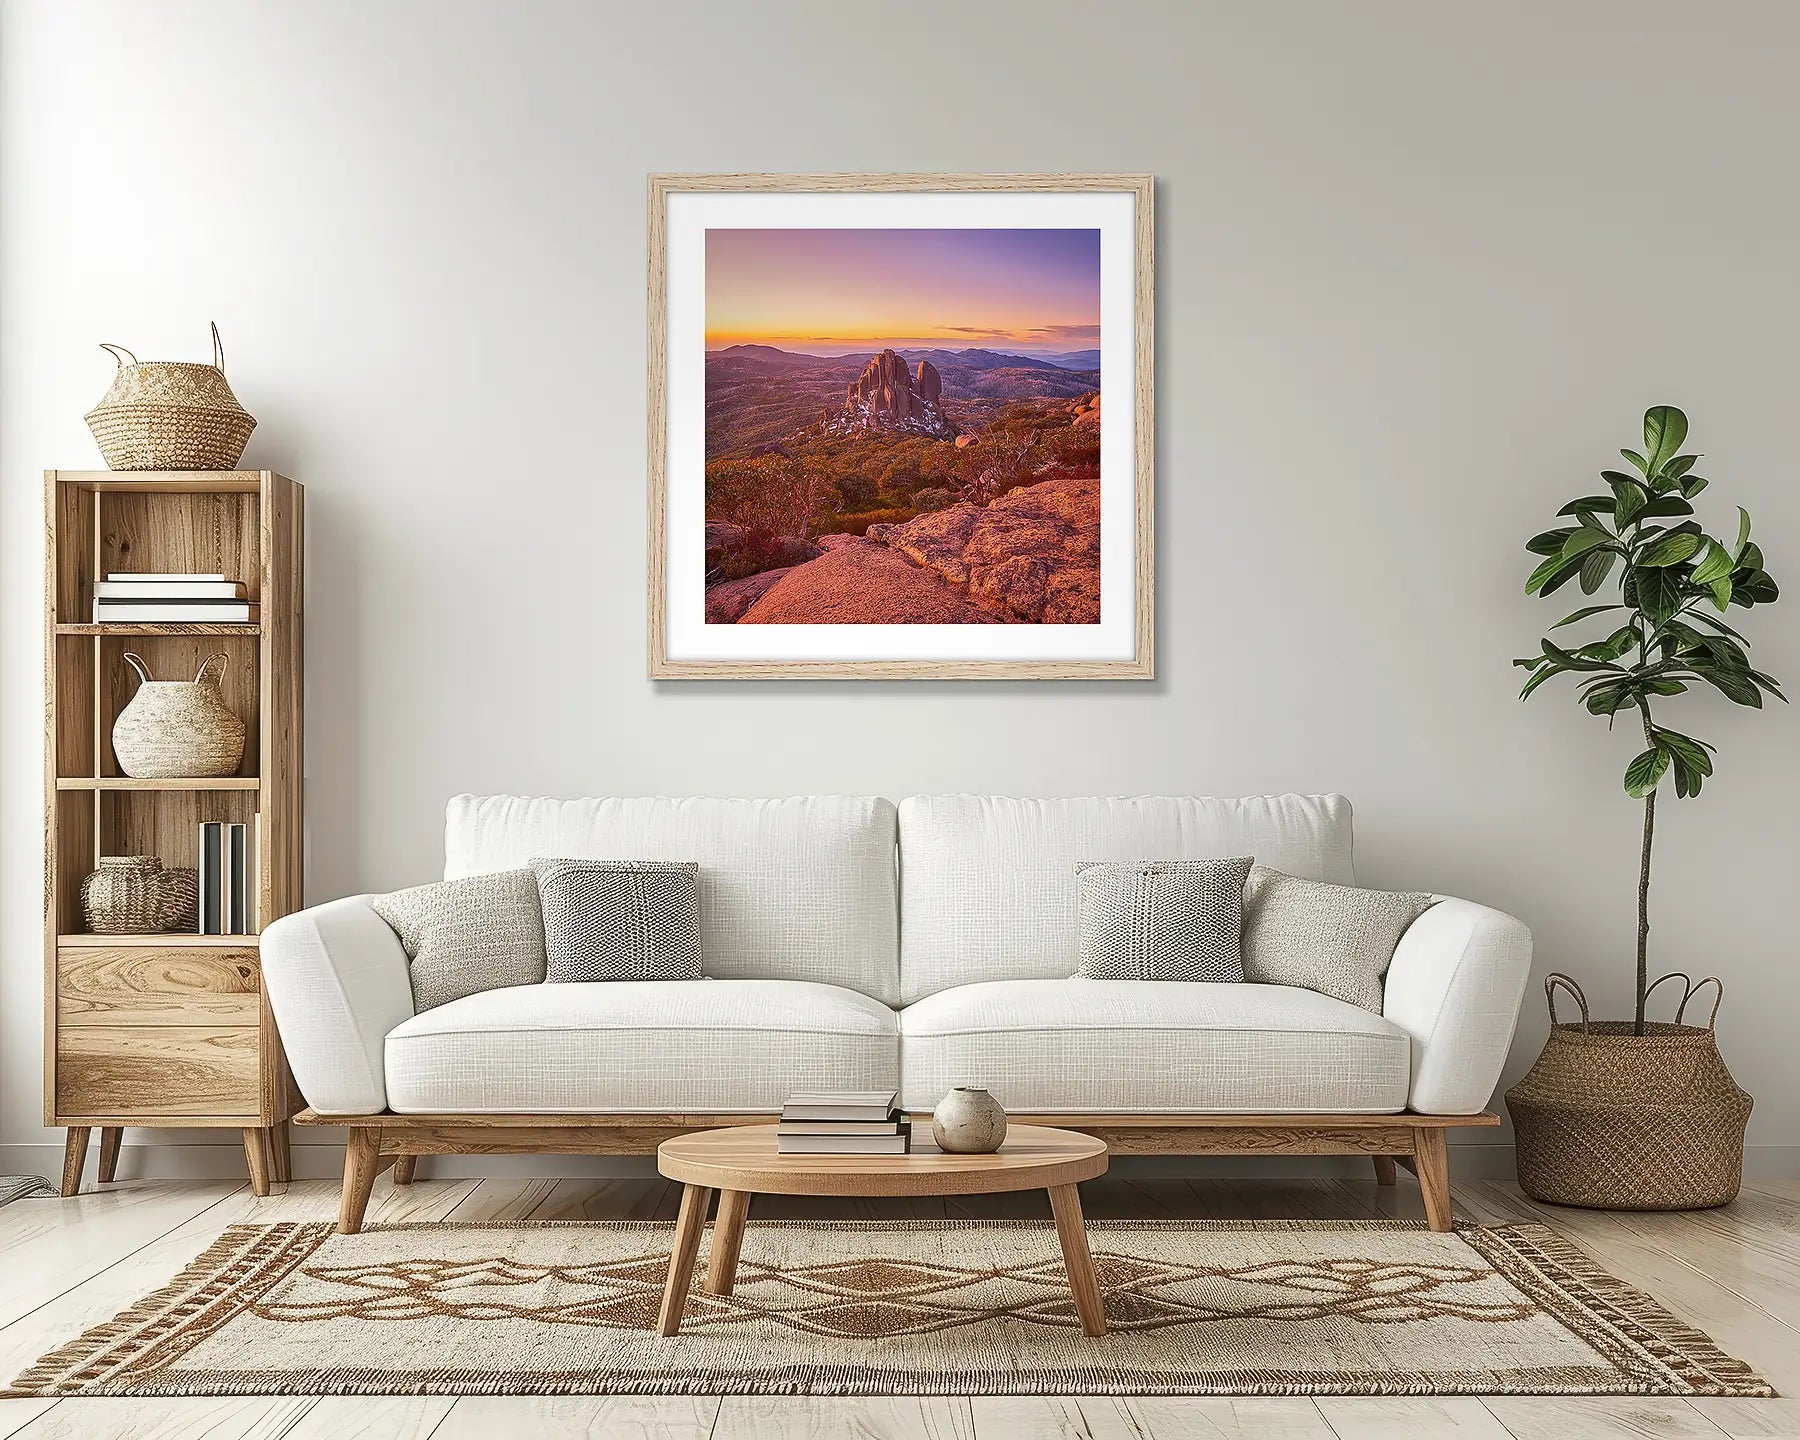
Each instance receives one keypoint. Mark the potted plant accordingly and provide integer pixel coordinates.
(1640, 1114)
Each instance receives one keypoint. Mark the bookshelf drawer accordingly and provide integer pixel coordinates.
(157, 1070)
(160, 985)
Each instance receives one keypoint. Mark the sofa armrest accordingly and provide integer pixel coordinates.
(1455, 985)
(337, 979)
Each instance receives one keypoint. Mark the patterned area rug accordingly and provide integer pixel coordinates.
(876, 1308)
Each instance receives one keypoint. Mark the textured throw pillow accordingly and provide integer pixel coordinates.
(1163, 919)
(465, 936)
(1335, 939)
(620, 919)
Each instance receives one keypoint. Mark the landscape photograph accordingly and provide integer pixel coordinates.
(902, 427)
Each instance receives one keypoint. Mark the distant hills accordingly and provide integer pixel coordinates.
(757, 395)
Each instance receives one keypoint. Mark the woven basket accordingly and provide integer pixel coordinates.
(170, 415)
(134, 895)
(178, 729)
(1610, 1120)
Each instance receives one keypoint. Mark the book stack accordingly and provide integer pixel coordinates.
(123, 598)
(843, 1122)
(226, 879)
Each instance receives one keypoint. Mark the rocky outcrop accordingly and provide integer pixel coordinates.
(863, 583)
(1032, 557)
(887, 396)
(727, 602)
(1086, 412)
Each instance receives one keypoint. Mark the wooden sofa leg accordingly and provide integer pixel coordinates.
(362, 1162)
(1386, 1172)
(404, 1165)
(1431, 1163)
(256, 1160)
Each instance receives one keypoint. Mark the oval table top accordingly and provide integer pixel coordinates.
(744, 1157)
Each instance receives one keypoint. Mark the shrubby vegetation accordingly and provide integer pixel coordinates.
(815, 484)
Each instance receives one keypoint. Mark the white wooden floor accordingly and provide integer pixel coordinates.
(67, 1265)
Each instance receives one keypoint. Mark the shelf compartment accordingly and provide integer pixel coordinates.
(153, 482)
(178, 657)
(126, 782)
(157, 1070)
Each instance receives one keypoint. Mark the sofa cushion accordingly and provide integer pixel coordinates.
(1335, 939)
(466, 936)
(619, 919)
(1133, 1046)
(988, 882)
(640, 1045)
(1163, 919)
(799, 889)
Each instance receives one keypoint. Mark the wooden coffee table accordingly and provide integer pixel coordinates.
(741, 1161)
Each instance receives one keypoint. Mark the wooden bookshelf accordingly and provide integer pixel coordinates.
(167, 1030)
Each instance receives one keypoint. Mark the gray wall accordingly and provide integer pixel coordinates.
(1420, 269)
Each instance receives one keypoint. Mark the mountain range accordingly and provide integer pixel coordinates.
(971, 359)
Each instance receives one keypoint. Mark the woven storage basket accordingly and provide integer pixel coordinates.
(178, 729)
(170, 415)
(1610, 1120)
(134, 895)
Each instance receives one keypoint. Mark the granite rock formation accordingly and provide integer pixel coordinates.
(889, 396)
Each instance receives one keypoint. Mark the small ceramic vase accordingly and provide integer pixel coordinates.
(968, 1121)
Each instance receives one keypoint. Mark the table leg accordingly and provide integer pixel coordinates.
(690, 1225)
(727, 1241)
(1078, 1261)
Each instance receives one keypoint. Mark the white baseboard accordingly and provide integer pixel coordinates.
(317, 1160)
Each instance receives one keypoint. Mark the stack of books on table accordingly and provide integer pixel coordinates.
(843, 1122)
(123, 598)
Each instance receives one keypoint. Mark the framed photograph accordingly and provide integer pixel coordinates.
(876, 444)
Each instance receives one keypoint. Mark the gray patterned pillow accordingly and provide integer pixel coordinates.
(465, 936)
(1163, 919)
(620, 919)
(1335, 939)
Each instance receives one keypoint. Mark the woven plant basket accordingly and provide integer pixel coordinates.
(178, 729)
(170, 415)
(1609, 1120)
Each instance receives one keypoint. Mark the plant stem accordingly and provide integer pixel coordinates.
(1643, 934)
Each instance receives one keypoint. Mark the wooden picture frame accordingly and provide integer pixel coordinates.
(1115, 640)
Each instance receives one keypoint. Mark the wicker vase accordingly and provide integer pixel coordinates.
(1609, 1120)
(170, 415)
(178, 729)
(134, 895)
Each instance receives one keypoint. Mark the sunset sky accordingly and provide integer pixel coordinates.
(827, 292)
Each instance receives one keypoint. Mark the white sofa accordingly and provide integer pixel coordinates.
(850, 943)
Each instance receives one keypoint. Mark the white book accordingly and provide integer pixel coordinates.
(838, 1127)
(842, 1144)
(168, 589)
(192, 612)
(156, 575)
(841, 1105)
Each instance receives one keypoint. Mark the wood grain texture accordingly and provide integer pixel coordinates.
(152, 1072)
(727, 1241)
(362, 1163)
(746, 1158)
(157, 985)
(1142, 664)
(108, 1168)
(256, 1159)
(1078, 1261)
(690, 1225)
(1431, 1163)
(75, 1145)
(1385, 1170)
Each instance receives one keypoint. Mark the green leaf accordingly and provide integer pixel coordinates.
(1743, 535)
(1657, 593)
(1571, 660)
(1546, 572)
(1665, 427)
(1551, 541)
(1665, 687)
(1662, 506)
(1721, 594)
(1751, 558)
(1679, 466)
(1670, 550)
(1631, 498)
(1538, 679)
(1693, 485)
(1637, 460)
(1643, 773)
(1583, 613)
(1584, 540)
(1588, 505)
(1689, 751)
(1716, 565)
(1739, 689)
(1609, 698)
(1756, 588)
